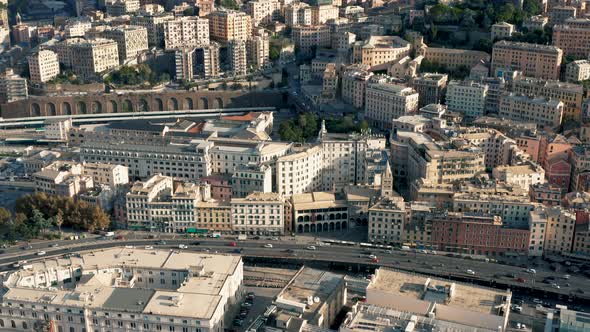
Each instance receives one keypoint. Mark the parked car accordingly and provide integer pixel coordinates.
(471, 272)
(268, 245)
(182, 246)
(41, 253)
(311, 248)
(531, 271)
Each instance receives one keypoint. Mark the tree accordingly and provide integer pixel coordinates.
(5, 216)
(505, 13)
(274, 53)
(531, 7)
(484, 45)
(468, 20)
(58, 220)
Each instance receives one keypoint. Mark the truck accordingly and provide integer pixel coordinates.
(242, 237)
(215, 235)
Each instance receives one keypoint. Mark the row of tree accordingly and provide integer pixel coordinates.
(136, 75)
(38, 213)
(305, 126)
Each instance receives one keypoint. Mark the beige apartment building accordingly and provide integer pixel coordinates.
(534, 60)
(131, 40)
(300, 171)
(257, 49)
(387, 218)
(187, 31)
(154, 24)
(43, 66)
(213, 215)
(111, 175)
(430, 87)
(121, 7)
(354, 83)
(467, 97)
(502, 30)
(450, 57)
(324, 13)
(523, 176)
(573, 38)
(230, 25)
(237, 55)
(298, 13)
(263, 11)
(62, 179)
(310, 37)
(378, 50)
(545, 112)
(559, 14)
(386, 101)
(560, 230)
(578, 70)
(259, 213)
(537, 22)
(572, 95)
(90, 57)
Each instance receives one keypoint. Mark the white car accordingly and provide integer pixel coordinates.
(372, 257)
(471, 272)
(531, 271)
(566, 277)
(129, 247)
(311, 248)
(149, 247)
(182, 246)
(41, 253)
(274, 238)
(516, 308)
(268, 245)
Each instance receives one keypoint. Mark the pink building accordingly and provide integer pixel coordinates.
(534, 146)
(558, 172)
(546, 194)
(220, 186)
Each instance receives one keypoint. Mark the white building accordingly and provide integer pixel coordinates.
(502, 30)
(121, 7)
(77, 27)
(577, 70)
(467, 97)
(386, 101)
(259, 213)
(43, 66)
(131, 40)
(93, 56)
(387, 218)
(251, 177)
(186, 32)
(110, 175)
(545, 112)
(257, 50)
(122, 289)
(523, 176)
(12, 87)
(263, 11)
(300, 171)
(354, 84)
(58, 129)
(238, 59)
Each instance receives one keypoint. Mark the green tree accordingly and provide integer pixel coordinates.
(505, 13)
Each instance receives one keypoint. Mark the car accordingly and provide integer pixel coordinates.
(162, 243)
(41, 253)
(556, 286)
(268, 245)
(537, 301)
(289, 251)
(54, 245)
(149, 247)
(531, 271)
(372, 256)
(129, 247)
(251, 294)
(274, 238)
(233, 244)
(566, 277)
(119, 237)
(256, 237)
(27, 247)
(311, 248)
(516, 308)
(182, 246)
(196, 243)
(388, 251)
(471, 272)
(246, 305)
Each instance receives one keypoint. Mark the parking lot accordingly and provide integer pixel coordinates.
(247, 313)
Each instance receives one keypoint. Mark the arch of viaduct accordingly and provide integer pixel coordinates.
(139, 102)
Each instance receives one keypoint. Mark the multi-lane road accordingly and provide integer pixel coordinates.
(489, 273)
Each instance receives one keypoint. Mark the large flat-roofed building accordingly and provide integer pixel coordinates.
(259, 213)
(300, 171)
(386, 100)
(354, 84)
(131, 41)
(154, 23)
(263, 11)
(387, 218)
(317, 212)
(94, 56)
(378, 50)
(229, 25)
(62, 178)
(577, 70)
(125, 289)
(251, 177)
(572, 95)
(313, 296)
(545, 112)
(431, 88)
(423, 296)
(453, 58)
(43, 66)
(186, 32)
(534, 60)
(467, 97)
(309, 37)
(112, 175)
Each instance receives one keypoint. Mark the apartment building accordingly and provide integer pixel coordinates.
(536, 22)
(512, 207)
(523, 176)
(251, 177)
(344, 157)
(577, 70)
(354, 84)
(263, 11)
(199, 62)
(546, 194)
(534, 60)
(301, 171)
(431, 87)
(62, 179)
(386, 101)
(573, 37)
(213, 216)
(12, 87)
(110, 175)
(580, 164)
(387, 218)
(297, 13)
(238, 57)
(537, 228)
(502, 30)
(121, 7)
(451, 58)
(259, 213)
(559, 14)
(205, 7)
(230, 25)
(77, 27)
(149, 290)
(582, 239)
(467, 97)
(154, 23)
(257, 49)
(477, 234)
(379, 50)
(329, 84)
(43, 66)
(572, 95)
(317, 212)
(159, 204)
(559, 232)
(131, 40)
(308, 38)
(323, 13)
(545, 112)
(187, 162)
(227, 156)
(186, 32)
(94, 56)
